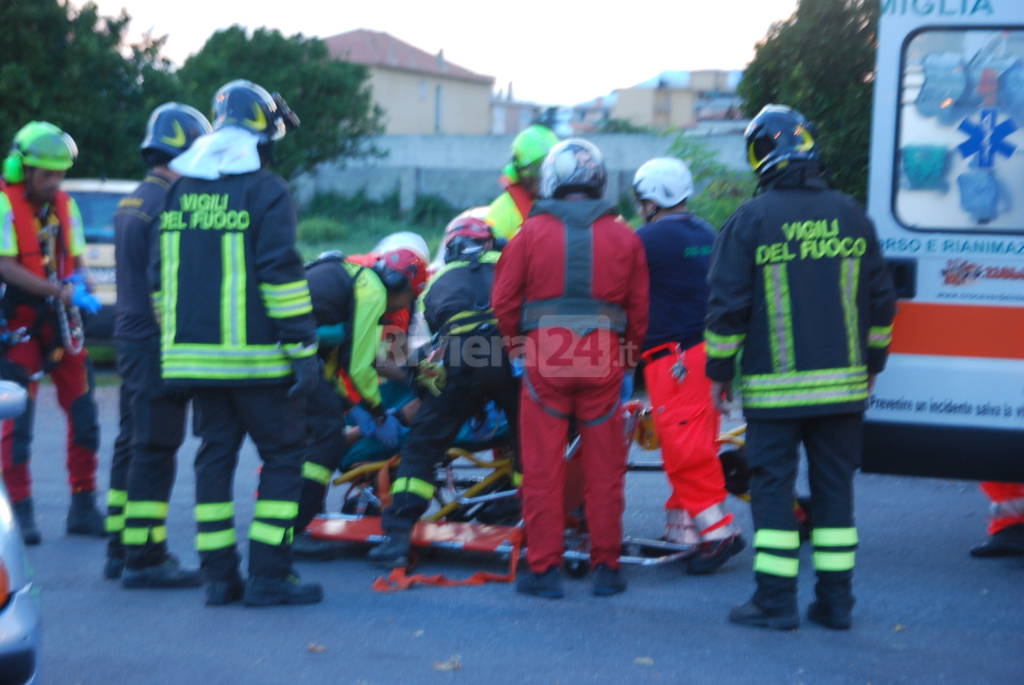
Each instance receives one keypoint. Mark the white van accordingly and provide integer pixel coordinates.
(947, 195)
(97, 200)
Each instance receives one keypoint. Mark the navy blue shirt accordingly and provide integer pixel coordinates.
(135, 229)
(678, 256)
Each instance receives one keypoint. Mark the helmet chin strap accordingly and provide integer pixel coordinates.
(649, 216)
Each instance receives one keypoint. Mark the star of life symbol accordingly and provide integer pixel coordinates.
(987, 138)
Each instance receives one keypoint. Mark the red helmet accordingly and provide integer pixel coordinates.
(466, 236)
(400, 269)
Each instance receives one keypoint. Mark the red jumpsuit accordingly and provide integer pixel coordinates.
(571, 289)
(1007, 505)
(19, 239)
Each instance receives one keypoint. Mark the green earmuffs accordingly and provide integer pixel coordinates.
(14, 170)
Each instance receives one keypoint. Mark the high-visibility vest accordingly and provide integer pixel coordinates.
(509, 210)
(26, 231)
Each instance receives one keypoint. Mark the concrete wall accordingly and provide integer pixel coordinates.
(410, 103)
(464, 169)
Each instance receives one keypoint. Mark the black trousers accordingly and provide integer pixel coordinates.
(152, 428)
(834, 446)
(117, 491)
(325, 448)
(469, 386)
(276, 424)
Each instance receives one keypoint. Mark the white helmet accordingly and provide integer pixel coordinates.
(573, 166)
(13, 399)
(403, 240)
(665, 181)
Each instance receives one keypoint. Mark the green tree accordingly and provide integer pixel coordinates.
(332, 98)
(821, 61)
(72, 68)
(720, 189)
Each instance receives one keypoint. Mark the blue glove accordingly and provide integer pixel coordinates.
(85, 300)
(626, 391)
(517, 367)
(390, 430)
(331, 335)
(81, 297)
(364, 419)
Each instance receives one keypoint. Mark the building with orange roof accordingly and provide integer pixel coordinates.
(420, 93)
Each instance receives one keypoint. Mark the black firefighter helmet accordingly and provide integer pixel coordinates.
(173, 127)
(778, 135)
(248, 105)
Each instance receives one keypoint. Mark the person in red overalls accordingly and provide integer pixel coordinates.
(574, 283)
(41, 243)
(1006, 527)
(678, 246)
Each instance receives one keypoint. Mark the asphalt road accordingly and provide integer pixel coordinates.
(926, 611)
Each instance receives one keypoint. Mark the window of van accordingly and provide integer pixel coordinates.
(98, 214)
(960, 140)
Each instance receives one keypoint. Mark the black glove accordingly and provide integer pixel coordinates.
(307, 374)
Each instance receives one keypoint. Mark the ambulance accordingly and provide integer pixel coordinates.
(947, 196)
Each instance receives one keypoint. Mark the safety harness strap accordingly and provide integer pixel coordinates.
(580, 314)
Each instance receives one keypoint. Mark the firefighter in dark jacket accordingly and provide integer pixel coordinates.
(798, 286)
(238, 332)
(471, 368)
(152, 419)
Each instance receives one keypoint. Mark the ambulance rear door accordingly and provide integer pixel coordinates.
(947, 195)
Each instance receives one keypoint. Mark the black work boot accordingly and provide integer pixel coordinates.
(83, 516)
(25, 513)
(393, 552)
(607, 581)
(114, 565)
(712, 554)
(224, 591)
(305, 546)
(833, 604)
(265, 592)
(830, 616)
(750, 614)
(547, 584)
(1008, 542)
(167, 574)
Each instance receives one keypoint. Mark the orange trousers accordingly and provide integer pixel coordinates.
(1007, 505)
(687, 426)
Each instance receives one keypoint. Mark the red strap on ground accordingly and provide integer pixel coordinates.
(399, 580)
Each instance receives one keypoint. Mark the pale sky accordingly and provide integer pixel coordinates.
(554, 51)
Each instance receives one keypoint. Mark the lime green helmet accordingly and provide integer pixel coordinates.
(42, 145)
(529, 149)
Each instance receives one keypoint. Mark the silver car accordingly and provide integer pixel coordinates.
(19, 598)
